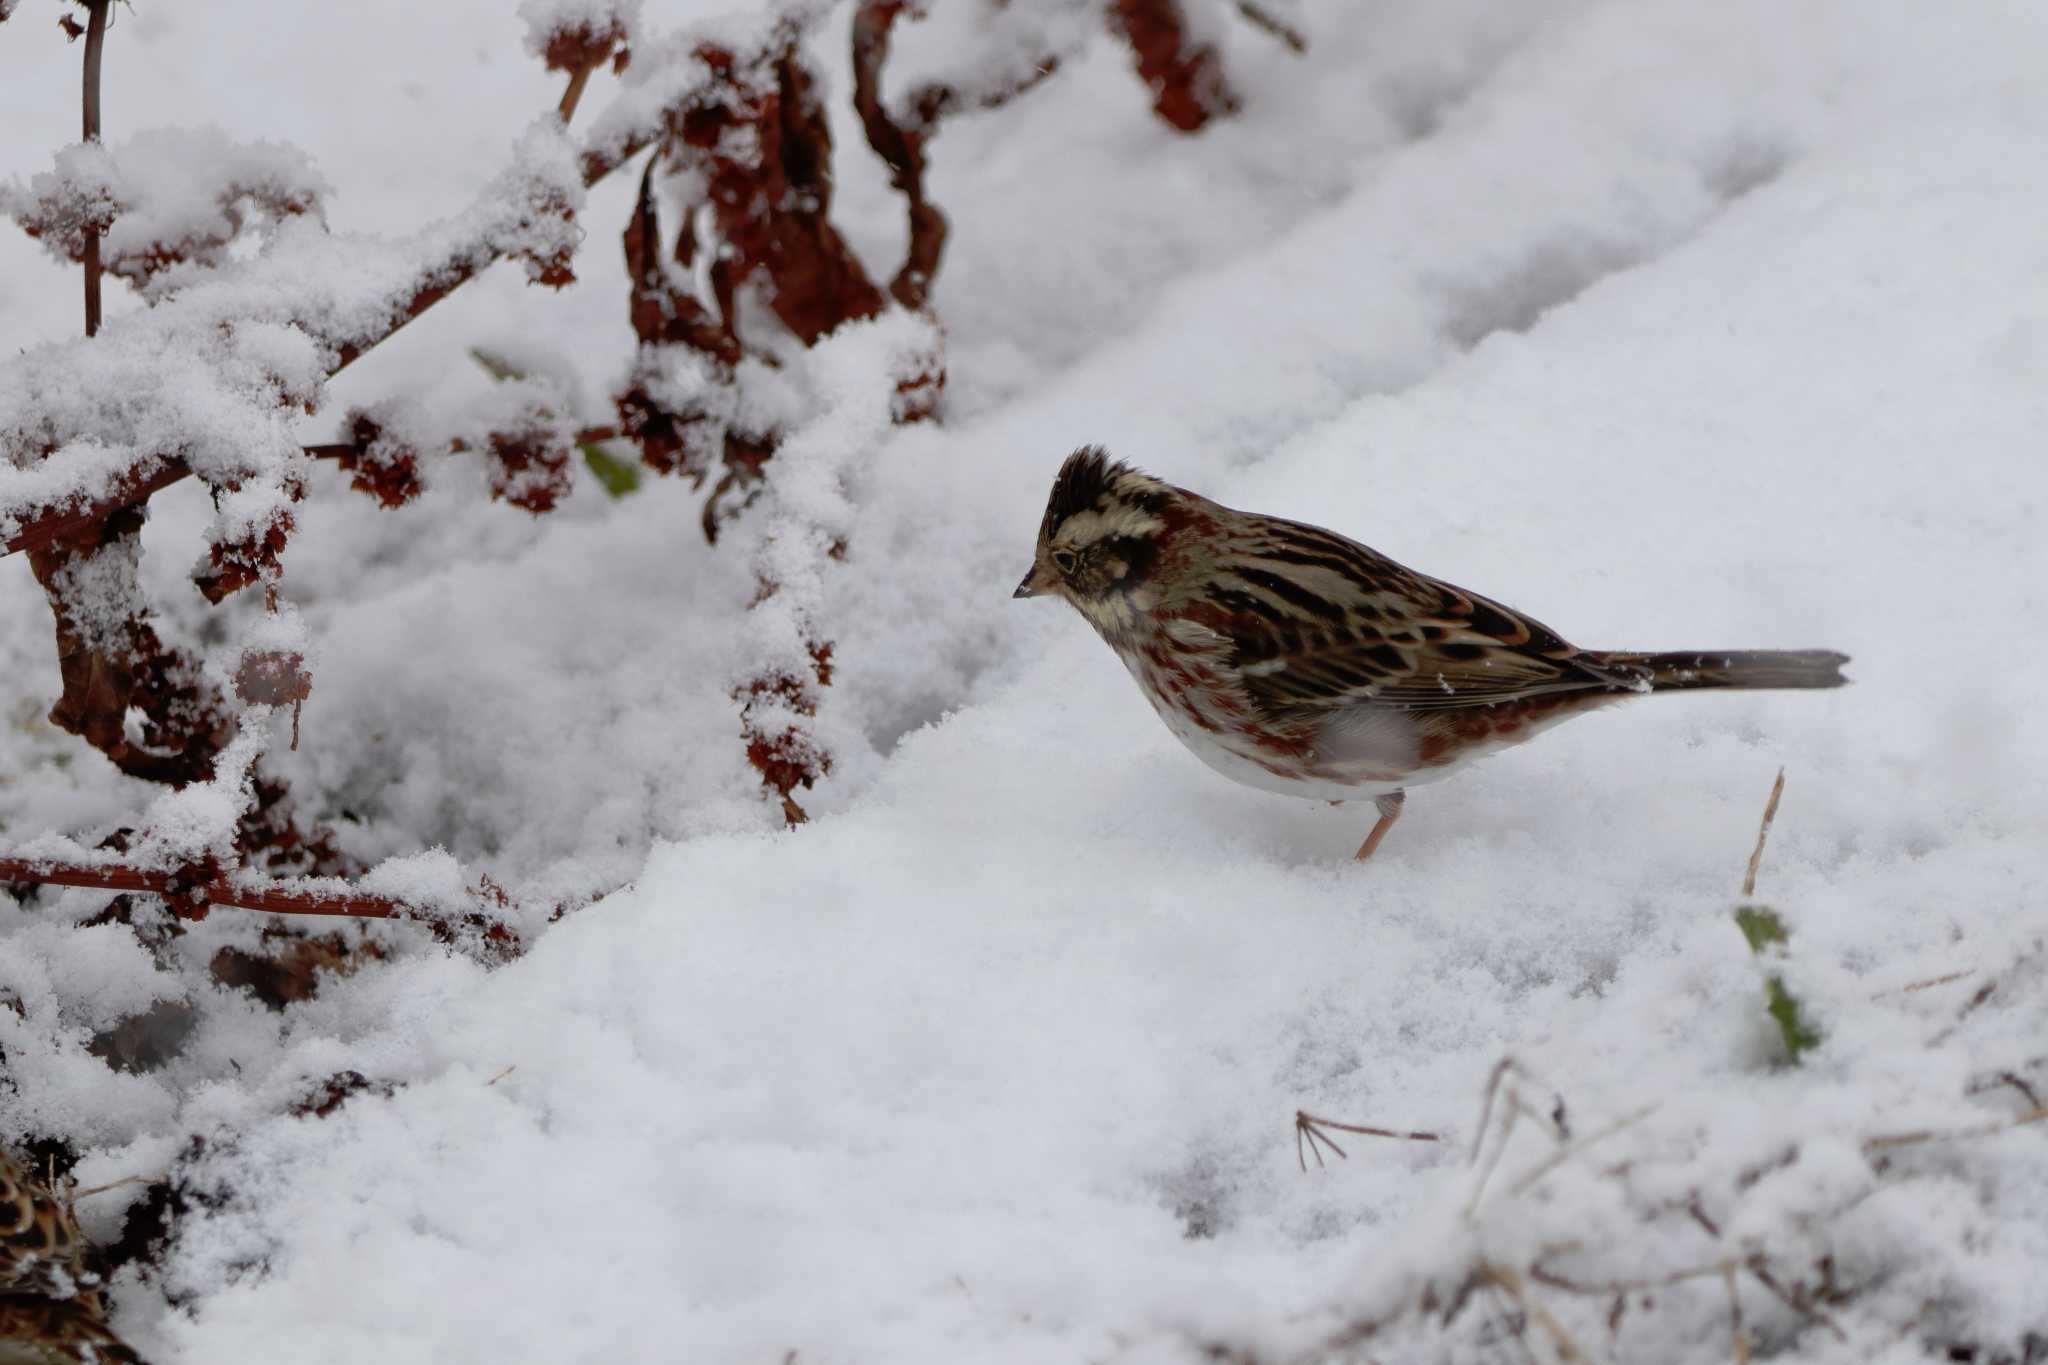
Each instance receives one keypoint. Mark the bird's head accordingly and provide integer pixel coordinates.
(1101, 537)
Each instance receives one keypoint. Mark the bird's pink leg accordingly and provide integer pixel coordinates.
(1389, 807)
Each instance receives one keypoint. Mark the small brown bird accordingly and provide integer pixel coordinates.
(41, 1249)
(51, 1312)
(58, 1332)
(1292, 659)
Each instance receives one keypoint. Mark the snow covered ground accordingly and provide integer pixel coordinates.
(1675, 325)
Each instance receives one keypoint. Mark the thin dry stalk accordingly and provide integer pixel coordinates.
(1309, 1126)
(1602, 1288)
(1512, 1109)
(1888, 1141)
(1273, 26)
(1760, 1270)
(1740, 1337)
(2007, 1079)
(123, 1183)
(1927, 985)
(1493, 1084)
(1763, 832)
(1505, 1279)
(1970, 1006)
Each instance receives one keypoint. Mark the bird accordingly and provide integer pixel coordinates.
(1297, 660)
(42, 1251)
(52, 1311)
(58, 1332)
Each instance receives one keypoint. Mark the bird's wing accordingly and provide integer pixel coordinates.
(1317, 623)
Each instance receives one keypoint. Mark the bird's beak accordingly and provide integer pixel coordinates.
(1040, 582)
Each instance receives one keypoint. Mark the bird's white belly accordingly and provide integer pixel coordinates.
(1370, 754)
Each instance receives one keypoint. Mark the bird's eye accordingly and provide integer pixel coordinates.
(1065, 559)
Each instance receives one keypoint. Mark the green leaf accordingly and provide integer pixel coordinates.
(1799, 1035)
(618, 476)
(1765, 930)
(1761, 926)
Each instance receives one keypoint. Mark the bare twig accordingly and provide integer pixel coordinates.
(1929, 984)
(1740, 1337)
(221, 891)
(1512, 1108)
(1273, 26)
(1763, 832)
(95, 42)
(1969, 1007)
(123, 1183)
(2005, 1078)
(1760, 1270)
(1888, 1141)
(1310, 1126)
(1633, 1285)
(1505, 1279)
(1493, 1084)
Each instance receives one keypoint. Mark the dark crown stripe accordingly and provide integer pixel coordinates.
(1084, 480)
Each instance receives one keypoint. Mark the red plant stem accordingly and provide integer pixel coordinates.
(1184, 73)
(50, 527)
(578, 78)
(95, 41)
(277, 900)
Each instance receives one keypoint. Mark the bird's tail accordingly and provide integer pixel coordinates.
(1744, 668)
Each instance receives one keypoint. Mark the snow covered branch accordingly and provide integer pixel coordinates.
(316, 896)
(254, 306)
